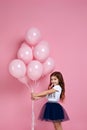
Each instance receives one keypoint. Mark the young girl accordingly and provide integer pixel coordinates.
(52, 110)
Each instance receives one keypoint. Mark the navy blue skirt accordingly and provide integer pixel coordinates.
(52, 111)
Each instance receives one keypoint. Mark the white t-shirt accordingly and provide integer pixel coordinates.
(54, 97)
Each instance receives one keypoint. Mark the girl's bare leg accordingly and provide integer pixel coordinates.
(57, 125)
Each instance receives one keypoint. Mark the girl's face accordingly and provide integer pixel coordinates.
(54, 80)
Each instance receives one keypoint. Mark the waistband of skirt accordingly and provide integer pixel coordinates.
(52, 102)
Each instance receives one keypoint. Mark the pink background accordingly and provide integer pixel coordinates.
(64, 25)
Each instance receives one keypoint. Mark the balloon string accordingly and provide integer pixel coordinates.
(33, 116)
(32, 90)
(27, 85)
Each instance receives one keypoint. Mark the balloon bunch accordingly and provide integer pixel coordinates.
(33, 61)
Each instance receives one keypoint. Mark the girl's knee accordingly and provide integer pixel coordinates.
(57, 124)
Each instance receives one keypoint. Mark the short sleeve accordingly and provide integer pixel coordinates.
(58, 88)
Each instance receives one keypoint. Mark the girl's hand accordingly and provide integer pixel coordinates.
(34, 97)
(49, 87)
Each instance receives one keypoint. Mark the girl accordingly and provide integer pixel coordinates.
(53, 111)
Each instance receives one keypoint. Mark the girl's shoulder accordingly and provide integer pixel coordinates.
(57, 87)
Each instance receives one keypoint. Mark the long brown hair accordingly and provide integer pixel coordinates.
(61, 83)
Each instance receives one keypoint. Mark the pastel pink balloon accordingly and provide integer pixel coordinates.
(41, 51)
(48, 66)
(34, 70)
(33, 36)
(17, 68)
(25, 53)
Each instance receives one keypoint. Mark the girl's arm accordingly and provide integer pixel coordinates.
(44, 93)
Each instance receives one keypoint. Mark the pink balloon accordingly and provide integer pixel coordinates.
(34, 70)
(17, 68)
(33, 36)
(48, 66)
(25, 53)
(41, 51)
